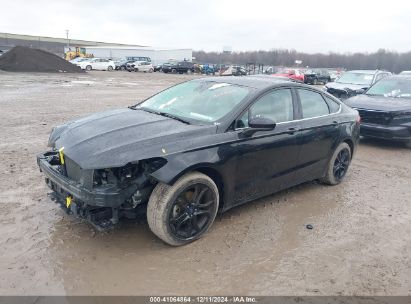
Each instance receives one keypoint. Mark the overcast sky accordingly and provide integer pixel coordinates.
(310, 26)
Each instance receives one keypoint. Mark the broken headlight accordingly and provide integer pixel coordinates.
(115, 176)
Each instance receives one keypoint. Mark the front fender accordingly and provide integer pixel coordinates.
(178, 164)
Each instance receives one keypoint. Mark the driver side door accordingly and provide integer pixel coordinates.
(267, 160)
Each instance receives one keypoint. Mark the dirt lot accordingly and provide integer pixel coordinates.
(360, 244)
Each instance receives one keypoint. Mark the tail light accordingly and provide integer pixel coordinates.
(358, 119)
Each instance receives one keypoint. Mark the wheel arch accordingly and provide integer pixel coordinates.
(206, 168)
(350, 143)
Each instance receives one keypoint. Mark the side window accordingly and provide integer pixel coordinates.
(333, 105)
(312, 104)
(276, 105)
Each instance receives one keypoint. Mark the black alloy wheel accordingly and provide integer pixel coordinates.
(192, 212)
(341, 164)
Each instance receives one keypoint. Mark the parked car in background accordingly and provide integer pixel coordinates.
(120, 64)
(179, 67)
(199, 147)
(157, 67)
(334, 75)
(139, 66)
(239, 71)
(385, 109)
(79, 59)
(405, 73)
(290, 73)
(352, 83)
(233, 70)
(97, 64)
(314, 76)
(206, 69)
(123, 65)
(138, 58)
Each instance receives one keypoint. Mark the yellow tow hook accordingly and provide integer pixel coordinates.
(68, 201)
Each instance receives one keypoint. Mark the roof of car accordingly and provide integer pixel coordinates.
(258, 82)
(401, 76)
(365, 71)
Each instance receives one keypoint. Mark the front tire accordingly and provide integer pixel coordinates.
(110, 68)
(338, 165)
(88, 68)
(182, 213)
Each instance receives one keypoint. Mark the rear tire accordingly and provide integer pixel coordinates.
(174, 71)
(408, 144)
(338, 165)
(182, 213)
(135, 69)
(150, 70)
(110, 68)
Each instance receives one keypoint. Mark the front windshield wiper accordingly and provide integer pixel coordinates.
(164, 114)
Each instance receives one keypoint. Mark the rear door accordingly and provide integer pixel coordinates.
(266, 160)
(319, 134)
(97, 64)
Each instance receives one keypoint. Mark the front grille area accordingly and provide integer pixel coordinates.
(375, 117)
(73, 170)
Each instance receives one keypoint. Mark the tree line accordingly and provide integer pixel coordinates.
(381, 59)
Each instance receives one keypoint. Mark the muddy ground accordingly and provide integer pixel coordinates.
(360, 244)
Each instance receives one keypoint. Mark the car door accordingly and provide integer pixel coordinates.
(144, 66)
(319, 134)
(104, 63)
(266, 159)
(96, 65)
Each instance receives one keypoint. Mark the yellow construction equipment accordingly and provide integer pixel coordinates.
(79, 52)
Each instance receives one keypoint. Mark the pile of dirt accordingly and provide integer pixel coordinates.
(24, 59)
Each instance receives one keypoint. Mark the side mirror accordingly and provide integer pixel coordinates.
(361, 91)
(259, 124)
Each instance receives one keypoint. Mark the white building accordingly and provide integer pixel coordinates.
(157, 55)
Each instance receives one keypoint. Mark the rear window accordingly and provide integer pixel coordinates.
(313, 104)
(333, 105)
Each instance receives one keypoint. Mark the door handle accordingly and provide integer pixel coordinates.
(335, 123)
(292, 130)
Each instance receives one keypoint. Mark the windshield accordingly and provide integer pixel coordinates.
(391, 88)
(204, 101)
(356, 78)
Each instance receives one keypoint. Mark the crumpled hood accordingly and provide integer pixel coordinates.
(343, 86)
(379, 103)
(115, 138)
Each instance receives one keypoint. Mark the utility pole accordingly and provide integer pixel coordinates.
(67, 36)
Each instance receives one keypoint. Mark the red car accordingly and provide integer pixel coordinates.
(290, 73)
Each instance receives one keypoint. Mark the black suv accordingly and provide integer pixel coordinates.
(314, 76)
(179, 67)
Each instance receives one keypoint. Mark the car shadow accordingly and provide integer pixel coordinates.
(382, 143)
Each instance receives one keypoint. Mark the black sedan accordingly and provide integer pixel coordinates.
(197, 148)
(385, 109)
(314, 76)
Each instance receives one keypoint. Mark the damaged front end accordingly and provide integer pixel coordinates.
(344, 93)
(101, 196)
